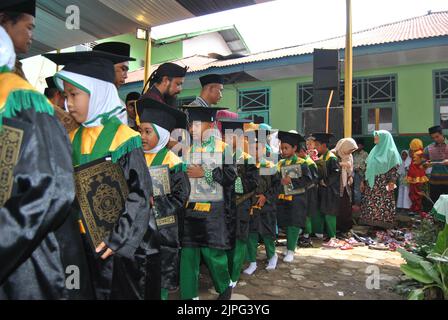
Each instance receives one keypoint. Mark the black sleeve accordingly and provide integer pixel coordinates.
(305, 180)
(226, 175)
(333, 172)
(180, 189)
(43, 190)
(273, 190)
(138, 216)
(250, 178)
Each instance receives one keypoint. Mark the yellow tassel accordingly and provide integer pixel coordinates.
(81, 227)
(284, 197)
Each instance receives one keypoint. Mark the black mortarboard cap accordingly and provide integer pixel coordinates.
(435, 129)
(322, 137)
(50, 83)
(233, 124)
(19, 6)
(118, 48)
(132, 96)
(291, 138)
(205, 114)
(211, 78)
(161, 114)
(95, 64)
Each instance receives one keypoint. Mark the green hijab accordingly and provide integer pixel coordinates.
(383, 157)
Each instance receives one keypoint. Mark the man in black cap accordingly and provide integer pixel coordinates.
(131, 100)
(17, 17)
(165, 83)
(53, 94)
(436, 155)
(122, 68)
(211, 93)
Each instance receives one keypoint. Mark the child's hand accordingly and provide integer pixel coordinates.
(107, 253)
(261, 200)
(195, 171)
(285, 181)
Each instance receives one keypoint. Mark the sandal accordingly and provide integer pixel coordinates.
(355, 243)
(379, 246)
(346, 246)
(332, 244)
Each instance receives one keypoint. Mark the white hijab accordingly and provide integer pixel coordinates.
(404, 166)
(164, 138)
(7, 52)
(104, 100)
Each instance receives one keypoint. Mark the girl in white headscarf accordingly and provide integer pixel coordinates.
(403, 201)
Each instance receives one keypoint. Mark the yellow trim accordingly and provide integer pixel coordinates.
(11, 82)
(90, 135)
(81, 227)
(203, 207)
(170, 160)
(284, 197)
(416, 180)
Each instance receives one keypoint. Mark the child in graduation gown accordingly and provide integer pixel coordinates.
(38, 233)
(206, 224)
(244, 190)
(329, 188)
(263, 214)
(129, 267)
(156, 121)
(291, 209)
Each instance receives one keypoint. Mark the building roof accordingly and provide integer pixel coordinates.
(431, 25)
(100, 19)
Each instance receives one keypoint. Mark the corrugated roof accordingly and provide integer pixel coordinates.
(428, 26)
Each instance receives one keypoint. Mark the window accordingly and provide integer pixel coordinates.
(441, 98)
(367, 94)
(254, 104)
(184, 101)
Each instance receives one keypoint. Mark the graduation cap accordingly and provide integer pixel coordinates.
(435, 129)
(19, 6)
(132, 96)
(211, 78)
(233, 124)
(50, 83)
(118, 48)
(94, 64)
(291, 138)
(161, 114)
(322, 137)
(205, 114)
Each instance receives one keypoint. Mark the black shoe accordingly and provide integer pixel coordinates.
(226, 295)
(305, 242)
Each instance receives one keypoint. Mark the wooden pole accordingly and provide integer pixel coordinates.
(377, 119)
(348, 74)
(148, 56)
(327, 122)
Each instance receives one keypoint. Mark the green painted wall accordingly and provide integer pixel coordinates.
(159, 54)
(415, 101)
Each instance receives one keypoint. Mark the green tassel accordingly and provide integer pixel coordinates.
(20, 100)
(126, 147)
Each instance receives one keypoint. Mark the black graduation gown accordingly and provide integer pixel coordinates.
(329, 195)
(133, 272)
(248, 173)
(292, 213)
(264, 221)
(312, 192)
(211, 229)
(169, 205)
(39, 235)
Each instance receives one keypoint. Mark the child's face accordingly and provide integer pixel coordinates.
(320, 147)
(310, 145)
(77, 102)
(287, 150)
(198, 128)
(302, 153)
(149, 136)
(404, 156)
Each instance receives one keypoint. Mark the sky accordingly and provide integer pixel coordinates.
(284, 23)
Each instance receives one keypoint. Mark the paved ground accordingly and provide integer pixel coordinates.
(317, 274)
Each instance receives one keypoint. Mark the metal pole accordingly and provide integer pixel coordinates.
(348, 75)
(148, 56)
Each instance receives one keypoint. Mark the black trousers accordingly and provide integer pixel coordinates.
(435, 190)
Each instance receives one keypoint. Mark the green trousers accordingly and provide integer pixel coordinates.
(292, 235)
(318, 221)
(163, 294)
(252, 245)
(308, 226)
(216, 261)
(236, 258)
